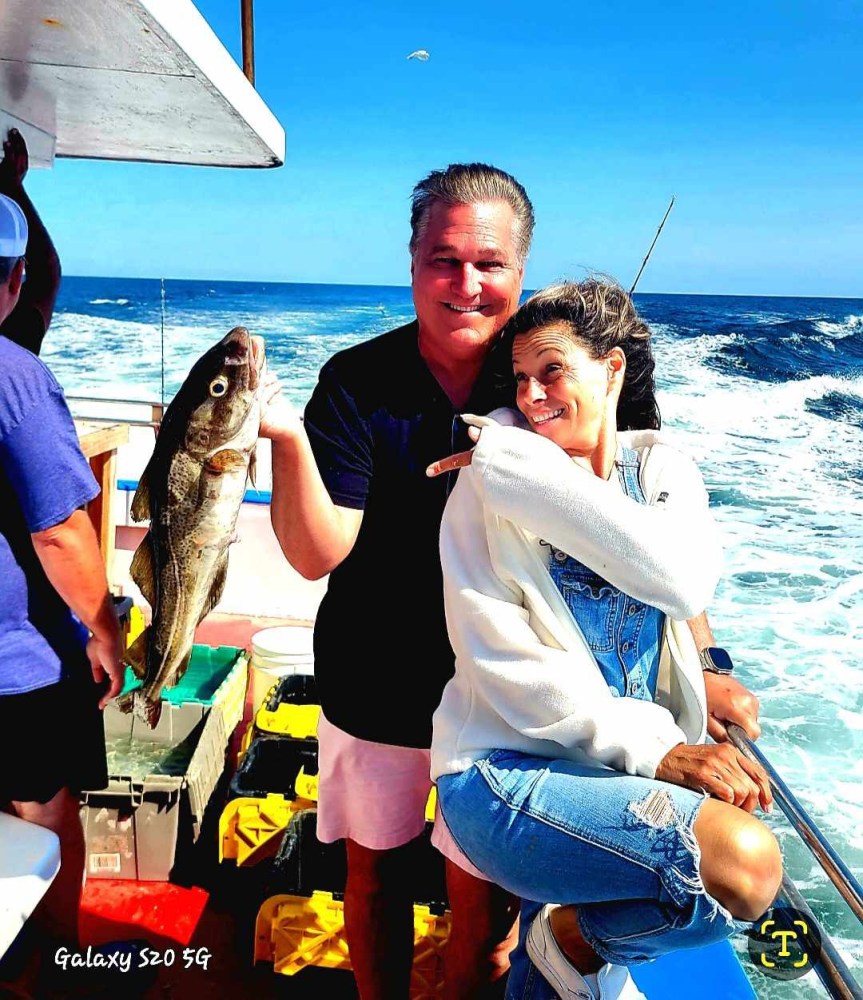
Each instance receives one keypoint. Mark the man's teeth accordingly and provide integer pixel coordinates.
(546, 417)
(463, 309)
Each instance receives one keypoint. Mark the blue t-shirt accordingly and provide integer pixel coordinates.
(44, 478)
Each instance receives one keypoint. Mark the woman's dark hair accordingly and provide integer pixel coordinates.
(600, 315)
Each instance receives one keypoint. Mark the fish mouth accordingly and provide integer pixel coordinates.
(241, 348)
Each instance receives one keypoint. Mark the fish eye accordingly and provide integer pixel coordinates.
(219, 386)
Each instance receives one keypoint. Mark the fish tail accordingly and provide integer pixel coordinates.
(150, 711)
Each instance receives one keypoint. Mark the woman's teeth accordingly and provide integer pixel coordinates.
(546, 417)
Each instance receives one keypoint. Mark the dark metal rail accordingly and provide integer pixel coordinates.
(837, 871)
(830, 967)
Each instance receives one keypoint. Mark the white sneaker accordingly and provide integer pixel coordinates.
(613, 982)
(556, 968)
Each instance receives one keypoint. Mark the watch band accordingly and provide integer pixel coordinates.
(716, 660)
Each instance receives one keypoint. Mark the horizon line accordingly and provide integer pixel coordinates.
(365, 284)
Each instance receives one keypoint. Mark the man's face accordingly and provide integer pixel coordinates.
(466, 275)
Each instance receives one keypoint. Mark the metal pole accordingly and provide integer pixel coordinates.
(248, 25)
(837, 871)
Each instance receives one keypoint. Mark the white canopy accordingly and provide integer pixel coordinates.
(129, 80)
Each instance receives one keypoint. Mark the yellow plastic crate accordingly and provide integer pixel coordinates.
(248, 736)
(299, 721)
(293, 932)
(251, 829)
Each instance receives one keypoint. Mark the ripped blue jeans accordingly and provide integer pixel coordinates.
(620, 847)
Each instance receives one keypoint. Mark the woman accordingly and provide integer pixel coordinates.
(568, 748)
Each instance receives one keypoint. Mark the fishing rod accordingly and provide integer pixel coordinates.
(652, 245)
(162, 317)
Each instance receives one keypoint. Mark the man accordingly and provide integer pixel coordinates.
(60, 642)
(382, 411)
(31, 317)
(380, 414)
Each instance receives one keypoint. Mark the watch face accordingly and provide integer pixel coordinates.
(720, 658)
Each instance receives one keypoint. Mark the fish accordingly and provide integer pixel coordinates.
(191, 492)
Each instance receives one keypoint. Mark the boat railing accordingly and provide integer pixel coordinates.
(101, 409)
(830, 968)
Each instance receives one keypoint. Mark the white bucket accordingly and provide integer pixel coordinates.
(276, 652)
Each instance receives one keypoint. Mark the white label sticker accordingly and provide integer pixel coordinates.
(105, 863)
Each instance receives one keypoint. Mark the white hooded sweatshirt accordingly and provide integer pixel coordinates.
(525, 678)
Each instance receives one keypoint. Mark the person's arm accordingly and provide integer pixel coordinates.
(665, 553)
(42, 461)
(70, 555)
(43, 264)
(314, 533)
(727, 699)
(542, 691)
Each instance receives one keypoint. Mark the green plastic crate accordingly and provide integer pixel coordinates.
(209, 666)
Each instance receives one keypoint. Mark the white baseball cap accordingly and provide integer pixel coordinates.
(13, 228)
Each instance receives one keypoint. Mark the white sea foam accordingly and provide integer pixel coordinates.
(790, 604)
(848, 327)
(109, 302)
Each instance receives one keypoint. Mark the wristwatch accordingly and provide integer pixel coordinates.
(716, 660)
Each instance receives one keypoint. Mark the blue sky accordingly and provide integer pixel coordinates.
(750, 113)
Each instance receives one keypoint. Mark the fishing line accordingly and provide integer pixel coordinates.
(652, 245)
(162, 298)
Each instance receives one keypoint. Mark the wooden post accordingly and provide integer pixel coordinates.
(248, 25)
(99, 443)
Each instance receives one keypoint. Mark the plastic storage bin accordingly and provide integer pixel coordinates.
(161, 780)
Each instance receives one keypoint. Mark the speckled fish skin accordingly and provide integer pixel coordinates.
(191, 491)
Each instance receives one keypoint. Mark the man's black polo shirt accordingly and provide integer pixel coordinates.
(376, 419)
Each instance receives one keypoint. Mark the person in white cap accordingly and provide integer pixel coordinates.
(60, 641)
(31, 317)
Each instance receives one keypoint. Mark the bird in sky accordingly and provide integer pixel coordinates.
(419, 54)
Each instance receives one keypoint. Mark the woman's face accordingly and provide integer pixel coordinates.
(566, 395)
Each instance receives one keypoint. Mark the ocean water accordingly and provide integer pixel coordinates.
(765, 393)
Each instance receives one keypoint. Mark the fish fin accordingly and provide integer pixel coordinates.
(253, 467)
(217, 588)
(140, 509)
(224, 461)
(143, 570)
(126, 703)
(136, 655)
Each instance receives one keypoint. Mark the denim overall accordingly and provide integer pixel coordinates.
(623, 633)
(557, 831)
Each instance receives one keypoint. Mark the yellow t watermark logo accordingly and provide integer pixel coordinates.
(784, 944)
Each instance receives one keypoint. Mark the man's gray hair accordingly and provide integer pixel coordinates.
(472, 184)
